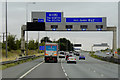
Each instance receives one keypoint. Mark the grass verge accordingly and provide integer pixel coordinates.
(103, 58)
(2, 67)
(95, 56)
(14, 54)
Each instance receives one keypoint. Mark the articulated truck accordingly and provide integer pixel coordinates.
(51, 52)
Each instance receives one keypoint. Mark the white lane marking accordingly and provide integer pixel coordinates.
(65, 74)
(30, 70)
(62, 67)
(64, 70)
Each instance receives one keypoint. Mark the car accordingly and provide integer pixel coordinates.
(74, 53)
(77, 54)
(70, 52)
(108, 53)
(61, 54)
(81, 57)
(98, 51)
(71, 60)
(68, 55)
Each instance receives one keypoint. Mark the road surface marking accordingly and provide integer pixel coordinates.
(62, 67)
(64, 70)
(65, 74)
(30, 70)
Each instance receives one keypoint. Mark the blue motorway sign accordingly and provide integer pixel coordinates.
(83, 19)
(42, 47)
(53, 16)
(40, 20)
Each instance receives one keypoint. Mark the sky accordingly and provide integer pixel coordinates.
(17, 17)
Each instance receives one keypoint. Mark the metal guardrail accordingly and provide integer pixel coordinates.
(19, 59)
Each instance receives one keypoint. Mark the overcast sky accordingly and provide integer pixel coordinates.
(17, 18)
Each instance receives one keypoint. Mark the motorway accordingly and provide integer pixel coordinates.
(89, 68)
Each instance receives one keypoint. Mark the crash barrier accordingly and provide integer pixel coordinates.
(109, 59)
(20, 59)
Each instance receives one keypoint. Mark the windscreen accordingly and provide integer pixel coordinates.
(62, 53)
(51, 50)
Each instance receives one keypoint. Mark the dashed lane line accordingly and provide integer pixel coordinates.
(64, 71)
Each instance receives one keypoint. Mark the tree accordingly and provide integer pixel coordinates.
(42, 44)
(45, 39)
(18, 44)
(36, 44)
(11, 42)
(3, 45)
(118, 50)
(31, 45)
(65, 45)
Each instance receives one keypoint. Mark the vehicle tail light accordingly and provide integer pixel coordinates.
(54, 59)
(46, 54)
(55, 54)
(47, 58)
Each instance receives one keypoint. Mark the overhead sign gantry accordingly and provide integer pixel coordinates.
(55, 21)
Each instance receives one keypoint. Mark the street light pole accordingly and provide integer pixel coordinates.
(6, 29)
(26, 31)
(26, 24)
(3, 37)
(38, 41)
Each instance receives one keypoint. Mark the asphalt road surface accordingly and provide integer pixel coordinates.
(89, 68)
(17, 71)
(47, 70)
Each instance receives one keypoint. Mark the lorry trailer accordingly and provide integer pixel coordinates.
(51, 52)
